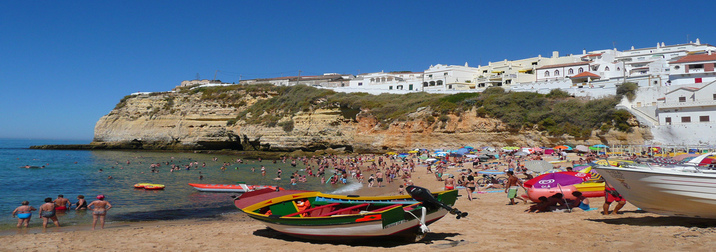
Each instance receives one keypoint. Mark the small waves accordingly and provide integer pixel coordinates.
(352, 186)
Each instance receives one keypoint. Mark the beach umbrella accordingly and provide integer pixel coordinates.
(582, 148)
(430, 160)
(562, 147)
(423, 157)
(601, 146)
(413, 151)
(536, 149)
(488, 148)
(391, 153)
(469, 147)
(521, 153)
(538, 166)
(552, 180)
(510, 148)
(471, 156)
(462, 151)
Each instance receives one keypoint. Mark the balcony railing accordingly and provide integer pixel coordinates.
(686, 104)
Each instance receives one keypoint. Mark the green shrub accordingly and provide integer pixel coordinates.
(287, 126)
(627, 89)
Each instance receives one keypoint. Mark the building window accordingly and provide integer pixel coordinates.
(668, 120)
(425, 84)
(703, 118)
(546, 73)
(390, 87)
(556, 72)
(606, 69)
(677, 67)
(696, 66)
(714, 97)
(580, 70)
(360, 83)
(432, 83)
(440, 82)
(571, 71)
(686, 119)
(682, 99)
(619, 69)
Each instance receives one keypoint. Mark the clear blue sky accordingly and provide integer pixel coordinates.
(65, 64)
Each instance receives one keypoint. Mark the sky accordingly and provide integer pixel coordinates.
(65, 64)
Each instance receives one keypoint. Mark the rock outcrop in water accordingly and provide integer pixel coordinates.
(186, 120)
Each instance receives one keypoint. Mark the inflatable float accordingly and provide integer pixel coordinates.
(534, 193)
(148, 186)
(591, 189)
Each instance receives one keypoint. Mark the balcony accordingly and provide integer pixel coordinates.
(686, 104)
(696, 70)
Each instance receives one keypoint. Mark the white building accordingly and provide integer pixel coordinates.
(693, 69)
(687, 105)
(652, 63)
(410, 81)
(449, 77)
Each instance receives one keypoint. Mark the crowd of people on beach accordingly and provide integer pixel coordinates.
(48, 211)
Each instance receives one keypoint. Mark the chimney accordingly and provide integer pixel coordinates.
(658, 45)
(709, 51)
(698, 42)
(584, 51)
(555, 54)
(662, 44)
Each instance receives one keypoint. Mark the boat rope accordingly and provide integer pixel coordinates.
(423, 228)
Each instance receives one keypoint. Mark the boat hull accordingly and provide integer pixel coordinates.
(354, 231)
(339, 217)
(664, 191)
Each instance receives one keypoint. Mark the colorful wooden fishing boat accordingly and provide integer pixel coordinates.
(318, 216)
(237, 188)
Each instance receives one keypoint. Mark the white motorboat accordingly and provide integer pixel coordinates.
(674, 192)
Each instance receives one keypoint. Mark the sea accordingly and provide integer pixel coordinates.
(87, 172)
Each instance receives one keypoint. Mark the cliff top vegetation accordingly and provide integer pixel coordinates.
(556, 112)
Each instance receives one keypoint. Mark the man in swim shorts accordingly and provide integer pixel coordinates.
(611, 195)
(512, 186)
(47, 212)
(61, 203)
(99, 210)
(23, 213)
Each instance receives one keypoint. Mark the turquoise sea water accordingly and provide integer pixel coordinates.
(76, 172)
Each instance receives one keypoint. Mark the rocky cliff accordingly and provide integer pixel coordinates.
(208, 120)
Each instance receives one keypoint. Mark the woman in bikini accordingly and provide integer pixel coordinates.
(48, 212)
(99, 210)
(23, 213)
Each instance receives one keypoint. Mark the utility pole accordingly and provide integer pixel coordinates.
(217, 71)
(298, 81)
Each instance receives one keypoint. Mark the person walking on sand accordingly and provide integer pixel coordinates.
(48, 212)
(512, 186)
(379, 177)
(470, 185)
(450, 182)
(99, 210)
(23, 213)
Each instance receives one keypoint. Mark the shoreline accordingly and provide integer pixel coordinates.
(491, 224)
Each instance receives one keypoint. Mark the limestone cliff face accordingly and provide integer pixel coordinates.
(184, 120)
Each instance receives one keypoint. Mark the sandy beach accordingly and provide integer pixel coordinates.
(491, 225)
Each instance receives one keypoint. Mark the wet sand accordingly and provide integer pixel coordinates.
(491, 225)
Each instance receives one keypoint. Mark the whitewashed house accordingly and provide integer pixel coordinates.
(688, 105)
(449, 77)
(693, 69)
(408, 81)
